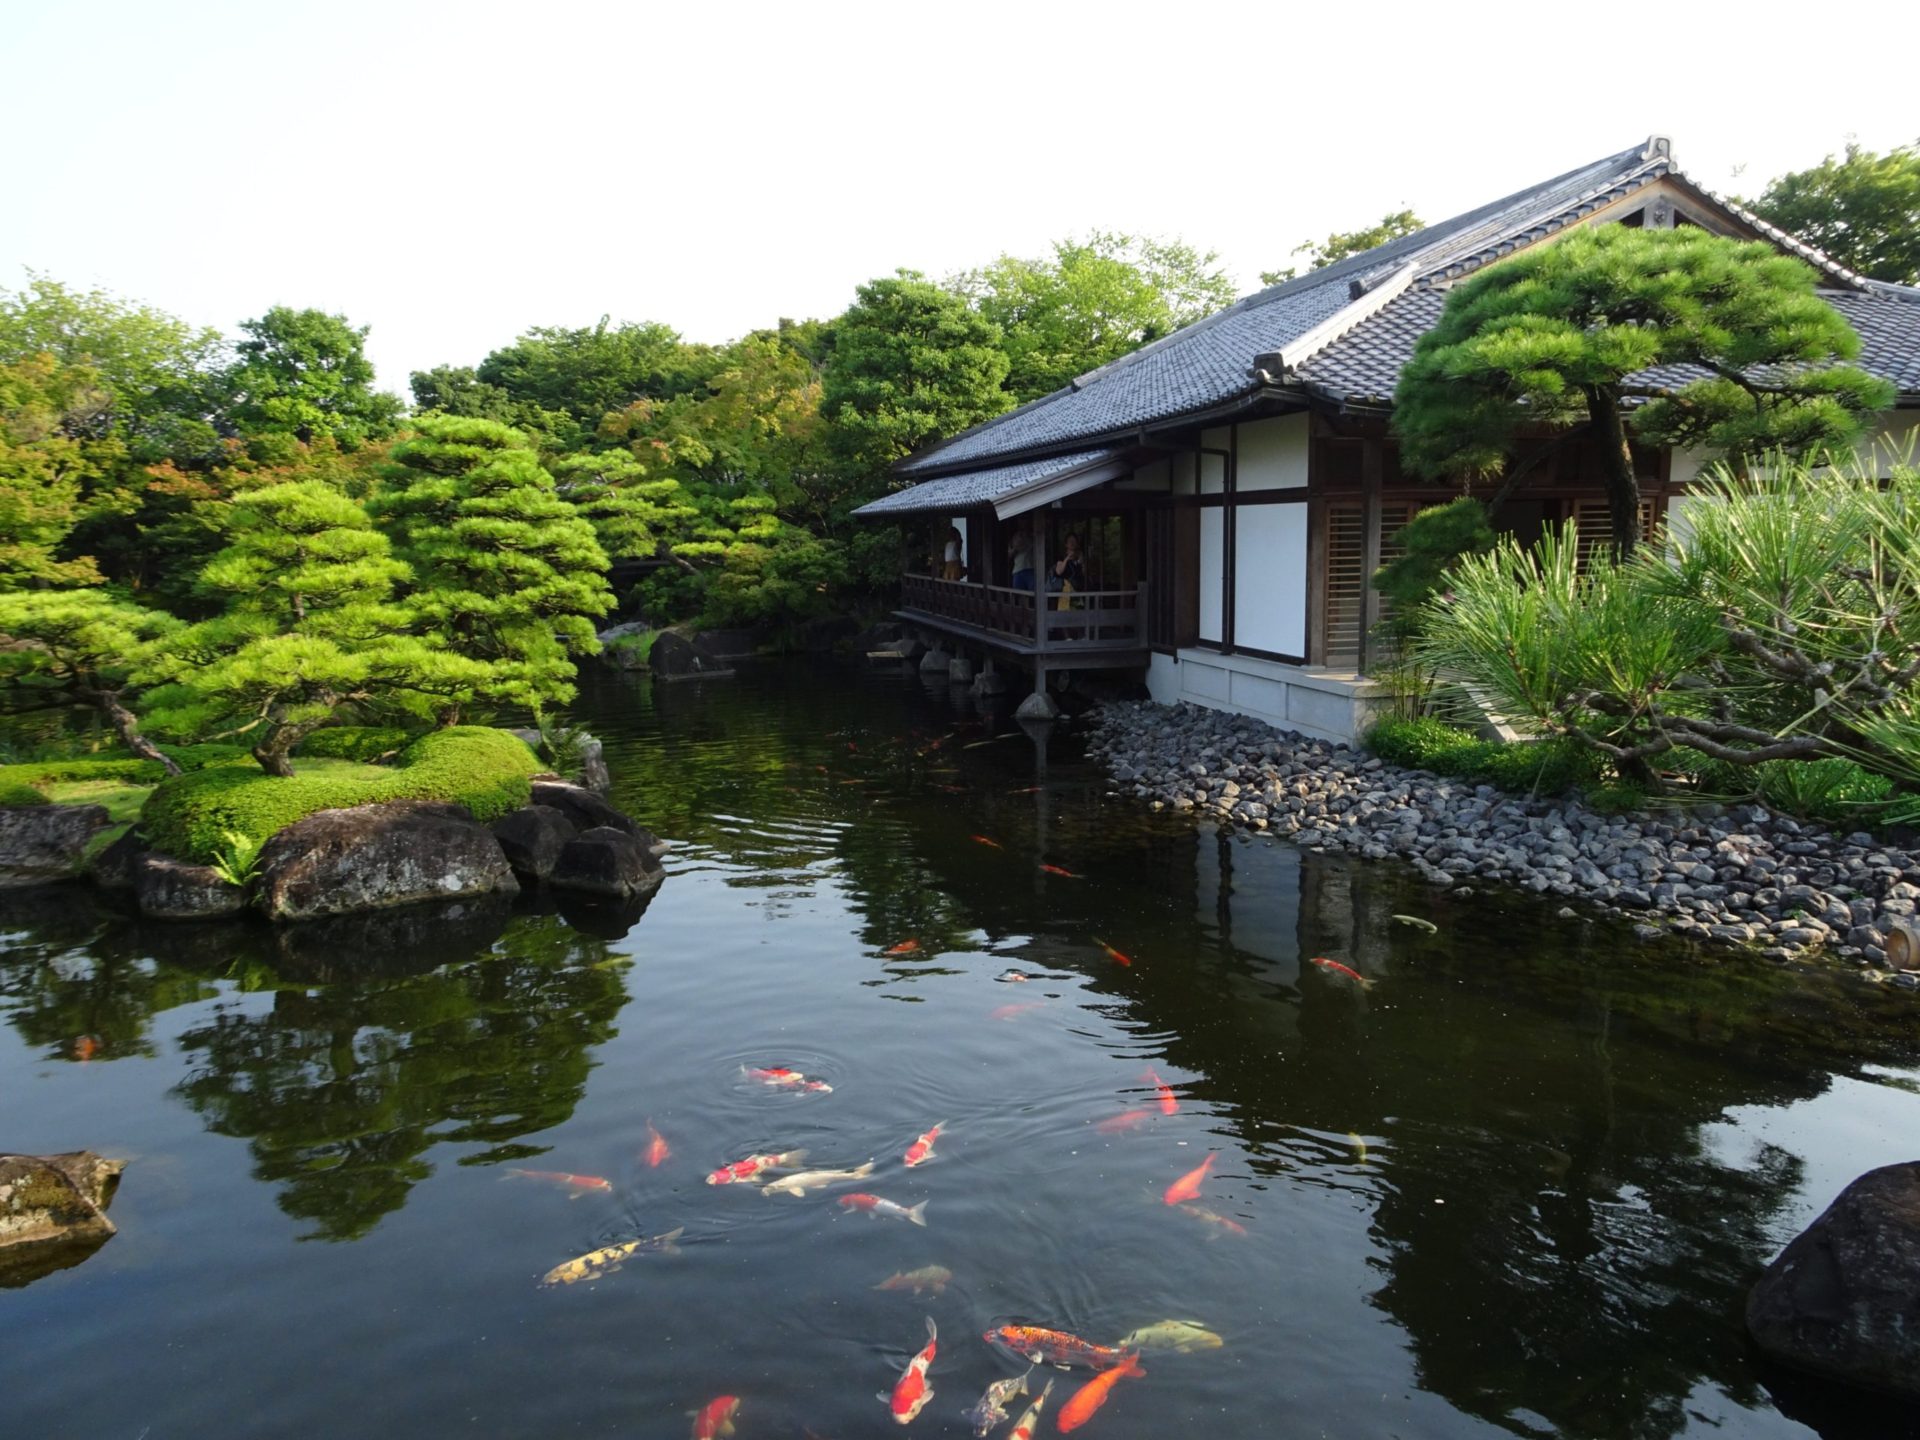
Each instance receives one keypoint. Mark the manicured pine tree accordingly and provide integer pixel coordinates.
(505, 571)
(1564, 333)
(311, 626)
(631, 511)
(84, 645)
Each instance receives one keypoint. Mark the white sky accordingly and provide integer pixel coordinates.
(451, 174)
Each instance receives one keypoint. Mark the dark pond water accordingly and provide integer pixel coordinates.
(1518, 1186)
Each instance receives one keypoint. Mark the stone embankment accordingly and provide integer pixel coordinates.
(1730, 875)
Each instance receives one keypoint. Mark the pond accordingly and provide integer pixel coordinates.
(1518, 1184)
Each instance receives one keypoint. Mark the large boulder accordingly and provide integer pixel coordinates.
(605, 861)
(1843, 1299)
(169, 889)
(532, 838)
(42, 843)
(53, 1211)
(117, 867)
(388, 944)
(369, 857)
(675, 657)
(723, 645)
(580, 805)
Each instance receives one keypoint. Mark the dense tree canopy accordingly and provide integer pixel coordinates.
(82, 647)
(1090, 302)
(1863, 209)
(911, 363)
(55, 465)
(504, 570)
(1558, 334)
(305, 373)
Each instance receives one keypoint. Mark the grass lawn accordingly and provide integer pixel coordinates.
(122, 798)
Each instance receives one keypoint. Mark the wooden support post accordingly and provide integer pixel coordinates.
(1043, 568)
(1373, 464)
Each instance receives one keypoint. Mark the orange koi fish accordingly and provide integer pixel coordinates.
(579, 1184)
(1007, 1012)
(1187, 1187)
(1337, 968)
(1224, 1224)
(741, 1171)
(1013, 977)
(912, 1392)
(1030, 790)
(714, 1420)
(1169, 1102)
(1056, 1347)
(1059, 870)
(1113, 954)
(875, 1205)
(983, 840)
(1092, 1395)
(85, 1048)
(1123, 1122)
(921, 1150)
(781, 1078)
(658, 1152)
(905, 947)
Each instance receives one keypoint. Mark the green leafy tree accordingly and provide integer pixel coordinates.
(1342, 243)
(562, 381)
(152, 371)
(305, 373)
(456, 390)
(1863, 209)
(1558, 334)
(311, 627)
(505, 571)
(911, 363)
(82, 646)
(1090, 302)
(56, 469)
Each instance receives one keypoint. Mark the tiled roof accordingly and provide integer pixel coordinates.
(1210, 364)
(981, 487)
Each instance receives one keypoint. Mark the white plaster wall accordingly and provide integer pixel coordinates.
(1163, 679)
(1270, 578)
(1213, 550)
(1273, 454)
(1213, 474)
(1895, 440)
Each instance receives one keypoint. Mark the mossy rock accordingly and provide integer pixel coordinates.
(199, 817)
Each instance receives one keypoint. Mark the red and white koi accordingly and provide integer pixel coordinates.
(1336, 968)
(714, 1420)
(875, 1205)
(921, 1150)
(912, 1392)
(578, 1184)
(740, 1172)
(1030, 1421)
(983, 840)
(1222, 1224)
(1187, 1187)
(779, 1077)
(1059, 870)
(1123, 1122)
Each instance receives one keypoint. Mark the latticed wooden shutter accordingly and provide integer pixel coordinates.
(1346, 582)
(1595, 519)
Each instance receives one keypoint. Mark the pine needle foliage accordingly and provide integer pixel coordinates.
(505, 571)
(311, 627)
(84, 645)
(1566, 332)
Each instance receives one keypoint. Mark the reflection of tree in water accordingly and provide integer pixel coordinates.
(71, 968)
(1563, 1249)
(341, 1089)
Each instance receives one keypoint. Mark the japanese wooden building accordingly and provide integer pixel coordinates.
(1234, 484)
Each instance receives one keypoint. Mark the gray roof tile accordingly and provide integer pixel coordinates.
(1210, 362)
(981, 487)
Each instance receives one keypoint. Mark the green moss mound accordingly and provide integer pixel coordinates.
(27, 784)
(192, 817)
(369, 744)
(1544, 767)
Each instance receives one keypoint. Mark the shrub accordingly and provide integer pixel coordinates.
(13, 792)
(197, 817)
(37, 774)
(1546, 767)
(369, 744)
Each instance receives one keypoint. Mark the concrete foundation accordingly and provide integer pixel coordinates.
(935, 659)
(1037, 706)
(960, 670)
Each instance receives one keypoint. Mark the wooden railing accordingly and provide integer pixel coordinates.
(1093, 619)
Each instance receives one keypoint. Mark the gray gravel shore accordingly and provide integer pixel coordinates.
(1736, 875)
